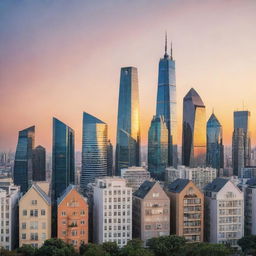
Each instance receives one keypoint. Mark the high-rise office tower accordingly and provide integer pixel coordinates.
(63, 162)
(214, 156)
(194, 130)
(166, 102)
(38, 159)
(238, 151)
(158, 147)
(128, 122)
(241, 121)
(22, 173)
(94, 150)
(109, 159)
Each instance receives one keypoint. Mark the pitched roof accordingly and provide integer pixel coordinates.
(144, 188)
(177, 185)
(42, 193)
(216, 185)
(213, 121)
(194, 97)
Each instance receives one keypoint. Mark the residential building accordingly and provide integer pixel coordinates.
(151, 212)
(94, 150)
(73, 217)
(215, 149)
(194, 130)
(35, 216)
(112, 210)
(135, 176)
(22, 172)
(158, 135)
(39, 164)
(187, 210)
(167, 102)
(128, 121)
(9, 197)
(200, 176)
(224, 212)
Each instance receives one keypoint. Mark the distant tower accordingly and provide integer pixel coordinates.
(166, 102)
(63, 159)
(39, 172)
(157, 148)
(22, 173)
(194, 130)
(109, 159)
(214, 157)
(94, 150)
(128, 122)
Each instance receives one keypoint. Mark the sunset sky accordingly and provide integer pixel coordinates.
(60, 58)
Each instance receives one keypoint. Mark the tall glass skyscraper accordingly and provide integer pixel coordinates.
(214, 156)
(39, 162)
(158, 148)
(128, 122)
(22, 173)
(166, 102)
(109, 159)
(63, 159)
(194, 130)
(94, 150)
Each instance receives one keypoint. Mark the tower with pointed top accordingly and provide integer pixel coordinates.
(166, 102)
(214, 155)
(194, 130)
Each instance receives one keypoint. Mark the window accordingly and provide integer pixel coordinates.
(155, 194)
(34, 213)
(82, 222)
(34, 236)
(64, 232)
(43, 225)
(63, 213)
(43, 212)
(43, 236)
(33, 225)
(23, 236)
(23, 225)
(74, 233)
(24, 212)
(34, 202)
(82, 212)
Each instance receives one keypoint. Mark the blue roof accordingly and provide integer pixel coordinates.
(144, 188)
(213, 121)
(178, 185)
(89, 119)
(42, 193)
(216, 185)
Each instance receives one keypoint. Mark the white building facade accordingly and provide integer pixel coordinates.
(135, 176)
(224, 212)
(9, 197)
(112, 211)
(201, 176)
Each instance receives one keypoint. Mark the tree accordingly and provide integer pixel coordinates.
(166, 245)
(111, 248)
(26, 250)
(56, 247)
(134, 248)
(94, 250)
(248, 244)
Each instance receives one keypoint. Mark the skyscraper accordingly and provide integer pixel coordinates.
(109, 159)
(22, 172)
(194, 130)
(214, 156)
(63, 162)
(38, 159)
(166, 102)
(128, 122)
(94, 149)
(242, 120)
(158, 147)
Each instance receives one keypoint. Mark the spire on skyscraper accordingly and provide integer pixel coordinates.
(165, 47)
(171, 51)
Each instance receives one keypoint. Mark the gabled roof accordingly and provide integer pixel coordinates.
(216, 185)
(66, 192)
(194, 97)
(144, 188)
(178, 185)
(42, 193)
(213, 121)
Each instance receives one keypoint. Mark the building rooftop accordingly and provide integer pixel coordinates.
(144, 188)
(216, 185)
(178, 185)
(194, 97)
(42, 193)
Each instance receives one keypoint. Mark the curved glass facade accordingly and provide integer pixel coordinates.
(214, 155)
(166, 104)
(128, 122)
(194, 130)
(94, 150)
(23, 171)
(63, 162)
(157, 148)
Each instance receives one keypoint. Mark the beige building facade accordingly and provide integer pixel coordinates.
(35, 216)
(187, 209)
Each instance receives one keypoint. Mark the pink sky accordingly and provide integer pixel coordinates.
(61, 58)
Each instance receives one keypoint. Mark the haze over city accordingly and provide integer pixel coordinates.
(59, 59)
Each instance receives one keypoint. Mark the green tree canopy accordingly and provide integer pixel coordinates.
(248, 244)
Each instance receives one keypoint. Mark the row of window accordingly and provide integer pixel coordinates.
(116, 220)
(116, 227)
(116, 207)
(75, 213)
(73, 232)
(33, 213)
(117, 200)
(117, 192)
(33, 225)
(33, 236)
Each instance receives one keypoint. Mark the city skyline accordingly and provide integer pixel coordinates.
(224, 63)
